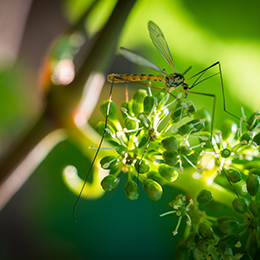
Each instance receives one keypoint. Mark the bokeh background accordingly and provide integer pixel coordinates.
(37, 222)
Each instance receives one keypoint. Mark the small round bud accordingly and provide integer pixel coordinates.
(138, 99)
(112, 115)
(131, 125)
(184, 150)
(252, 184)
(171, 158)
(149, 102)
(204, 197)
(204, 114)
(233, 175)
(225, 153)
(109, 182)
(229, 226)
(101, 129)
(240, 205)
(245, 137)
(168, 172)
(131, 190)
(170, 144)
(120, 149)
(109, 162)
(152, 189)
(184, 129)
(205, 230)
(142, 166)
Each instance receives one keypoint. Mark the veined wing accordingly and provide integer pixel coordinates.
(160, 43)
(139, 60)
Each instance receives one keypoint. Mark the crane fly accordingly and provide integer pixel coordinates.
(171, 81)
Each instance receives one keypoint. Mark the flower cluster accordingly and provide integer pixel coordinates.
(153, 143)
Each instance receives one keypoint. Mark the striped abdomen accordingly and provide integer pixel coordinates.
(119, 78)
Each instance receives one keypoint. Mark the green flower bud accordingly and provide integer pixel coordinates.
(252, 184)
(121, 150)
(225, 153)
(109, 182)
(196, 125)
(252, 122)
(228, 241)
(191, 109)
(228, 129)
(194, 158)
(254, 207)
(152, 189)
(205, 230)
(142, 167)
(256, 139)
(101, 129)
(170, 144)
(109, 162)
(131, 125)
(176, 112)
(185, 150)
(149, 102)
(229, 226)
(240, 205)
(192, 240)
(131, 190)
(245, 137)
(138, 99)
(184, 129)
(233, 175)
(171, 158)
(204, 197)
(112, 116)
(167, 172)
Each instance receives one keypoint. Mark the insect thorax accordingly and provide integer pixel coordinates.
(174, 80)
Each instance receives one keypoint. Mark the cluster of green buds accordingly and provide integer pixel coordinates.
(152, 143)
(235, 153)
(158, 139)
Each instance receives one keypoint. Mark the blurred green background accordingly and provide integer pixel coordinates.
(37, 222)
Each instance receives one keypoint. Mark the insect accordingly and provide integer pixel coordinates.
(173, 81)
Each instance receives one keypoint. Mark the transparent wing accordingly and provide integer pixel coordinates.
(160, 43)
(139, 60)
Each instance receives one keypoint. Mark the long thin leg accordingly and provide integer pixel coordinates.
(96, 154)
(212, 125)
(201, 73)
